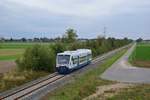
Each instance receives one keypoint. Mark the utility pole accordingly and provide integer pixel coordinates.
(104, 31)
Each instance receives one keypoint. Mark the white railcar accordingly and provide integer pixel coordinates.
(71, 60)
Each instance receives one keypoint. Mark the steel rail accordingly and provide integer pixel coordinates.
(53, 81)
(26, 87)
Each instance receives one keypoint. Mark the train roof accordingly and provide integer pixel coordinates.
(78, 52)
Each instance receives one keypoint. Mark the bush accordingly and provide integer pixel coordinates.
(58, 47)
(37, 58)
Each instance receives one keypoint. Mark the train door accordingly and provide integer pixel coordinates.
(78, 60)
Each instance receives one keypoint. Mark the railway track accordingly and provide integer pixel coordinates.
(31, 88)
(20, 93)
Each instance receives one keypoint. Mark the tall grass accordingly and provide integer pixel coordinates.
(15, 78)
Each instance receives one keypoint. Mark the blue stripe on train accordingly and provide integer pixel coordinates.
(65, 70)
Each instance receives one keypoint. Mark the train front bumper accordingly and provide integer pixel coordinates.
(62, 70)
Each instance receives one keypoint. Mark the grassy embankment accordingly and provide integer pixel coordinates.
(16, 78)
(11, 51)
(140, 92)
(141, 55)
(84, 85)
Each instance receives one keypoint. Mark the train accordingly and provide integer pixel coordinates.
(69, 61)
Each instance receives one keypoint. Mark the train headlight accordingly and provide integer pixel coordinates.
(57, 65)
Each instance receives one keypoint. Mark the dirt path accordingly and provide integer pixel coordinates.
(6, 66)
(103, 92)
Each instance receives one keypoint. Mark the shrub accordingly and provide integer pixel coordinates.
(37, 58)
(58, 47)
(16, 78)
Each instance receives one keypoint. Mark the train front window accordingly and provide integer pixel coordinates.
(63, 59)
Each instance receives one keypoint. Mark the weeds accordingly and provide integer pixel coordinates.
(15, 78)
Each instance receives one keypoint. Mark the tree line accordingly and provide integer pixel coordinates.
(43, 58)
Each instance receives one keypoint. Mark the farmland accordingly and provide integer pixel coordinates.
(11, 51)
(10, 54)
(141, 55)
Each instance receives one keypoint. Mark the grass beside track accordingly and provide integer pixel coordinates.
(140, 92)
(16, 78)
(85, 84)
(141, 55)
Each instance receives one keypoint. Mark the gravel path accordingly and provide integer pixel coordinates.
(122, 71)
(6, 66)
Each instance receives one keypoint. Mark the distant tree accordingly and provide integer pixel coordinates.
(139, 40)
(23, 39)
(57, 39)
(58, 47)
(100, 39)
(36, 40)
(2, 39)
(64, 38)
(70, 35)
(125, 39)
(11, 39)
(30, 40)
(44, 39)
(111, 42)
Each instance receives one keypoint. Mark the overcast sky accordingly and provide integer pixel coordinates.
(50, 18)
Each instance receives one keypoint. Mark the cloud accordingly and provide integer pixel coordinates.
(88, 17)
(72, 7)
(83, 8)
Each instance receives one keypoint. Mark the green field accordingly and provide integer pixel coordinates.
(13, 45)
(141, 55)
(11, 51)
(10, 54)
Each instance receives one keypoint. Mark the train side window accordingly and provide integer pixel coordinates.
(89, 56)
(83, 59)
(74, 60)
